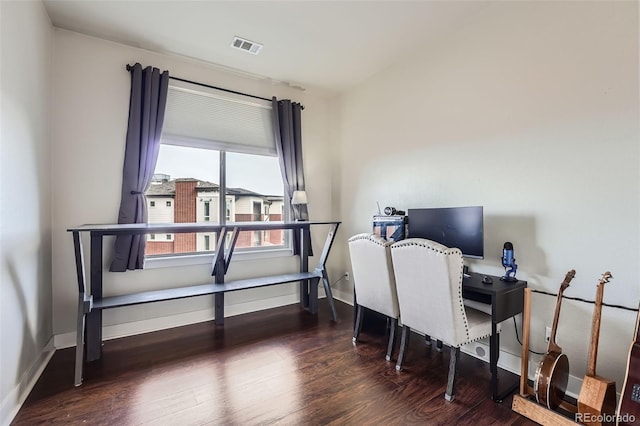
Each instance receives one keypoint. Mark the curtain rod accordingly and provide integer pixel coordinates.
(219, 88)
(129, 68)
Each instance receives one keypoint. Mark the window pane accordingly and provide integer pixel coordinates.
(186, 189)
(255, 191)
(185, 180)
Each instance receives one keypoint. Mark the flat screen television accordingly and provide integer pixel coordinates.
(460, 227)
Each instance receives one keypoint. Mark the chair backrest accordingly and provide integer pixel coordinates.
(429, 285)
(373, 277)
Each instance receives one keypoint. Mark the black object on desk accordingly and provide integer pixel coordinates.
(506, 300)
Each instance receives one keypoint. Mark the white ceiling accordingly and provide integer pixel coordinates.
(330, 45)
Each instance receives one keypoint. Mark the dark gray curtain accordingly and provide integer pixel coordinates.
(146, 115)
(287, 129)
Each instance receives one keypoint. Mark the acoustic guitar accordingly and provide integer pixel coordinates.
(552, 375)
(597, 400)
(629, 408)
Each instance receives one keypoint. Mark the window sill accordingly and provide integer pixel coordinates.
(207, 259)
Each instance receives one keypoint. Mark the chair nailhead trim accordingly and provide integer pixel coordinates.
(369, 237)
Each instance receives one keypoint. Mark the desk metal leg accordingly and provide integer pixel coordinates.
(80, 340)
(221, 263)
(305, 236)
(94, 318)
(327, 291)
(322, 267)
(218, 309)
(493, 356)
(313, 295)
(494, 348)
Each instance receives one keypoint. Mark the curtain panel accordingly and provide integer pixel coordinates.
(287, 128)
(147, 105)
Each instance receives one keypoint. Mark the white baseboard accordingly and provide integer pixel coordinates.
(13, 401)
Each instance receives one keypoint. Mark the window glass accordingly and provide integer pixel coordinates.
(188, 177)
(253, 199)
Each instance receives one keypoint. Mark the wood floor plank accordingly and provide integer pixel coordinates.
(281, 366)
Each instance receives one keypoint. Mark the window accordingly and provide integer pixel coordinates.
(152, 203)
(212, 147)
(207, 211)
(152, 236)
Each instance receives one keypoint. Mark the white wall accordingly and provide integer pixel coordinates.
(530, 110)
(91, 91)
(25, 199)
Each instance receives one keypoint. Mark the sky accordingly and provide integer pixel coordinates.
(253, 172)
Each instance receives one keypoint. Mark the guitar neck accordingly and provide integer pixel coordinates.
(553, 346)
(595, 332)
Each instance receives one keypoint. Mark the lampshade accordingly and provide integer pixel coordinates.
(299, 197)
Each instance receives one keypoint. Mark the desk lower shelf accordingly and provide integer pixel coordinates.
(199, 290)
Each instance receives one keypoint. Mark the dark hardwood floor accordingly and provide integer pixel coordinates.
(279, 366)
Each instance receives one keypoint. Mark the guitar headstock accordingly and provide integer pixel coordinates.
(567, 279)
(605, 278)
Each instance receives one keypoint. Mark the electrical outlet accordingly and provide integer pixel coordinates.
(547, 334)
(347, 276)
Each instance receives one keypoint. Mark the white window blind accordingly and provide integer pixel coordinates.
(213, 121)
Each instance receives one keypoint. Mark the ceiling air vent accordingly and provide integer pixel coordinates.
(246, 45)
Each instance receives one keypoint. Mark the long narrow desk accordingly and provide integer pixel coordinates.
(506, 300)
(91, 303)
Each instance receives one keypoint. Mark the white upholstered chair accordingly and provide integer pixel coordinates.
(374, 282)
(429, 284)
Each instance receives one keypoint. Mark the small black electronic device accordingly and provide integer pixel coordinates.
(487, 280)
(389, 211)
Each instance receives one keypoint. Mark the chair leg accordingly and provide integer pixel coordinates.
(392, 338)
(451, 382)
(404, 342)
(80, 342)
(358, 325)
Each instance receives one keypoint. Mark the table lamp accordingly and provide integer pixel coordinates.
(298, 198)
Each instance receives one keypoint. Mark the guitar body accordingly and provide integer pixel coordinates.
(550, 381)
(552, 375)
(597, 401)
(629, 409)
